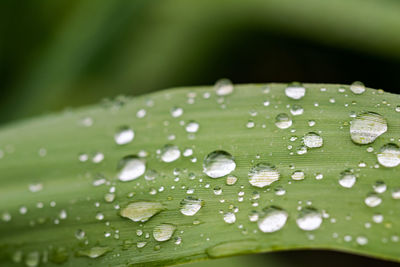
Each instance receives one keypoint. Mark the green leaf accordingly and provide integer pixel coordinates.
(61, 202)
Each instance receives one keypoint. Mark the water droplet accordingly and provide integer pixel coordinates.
(124, 135)
(141, 211)
(98, 157)
(283, 121)
(389, 155)
(176, 112)
(347, 179)
(223, 87)
(32, 259)
(229, 217)
(192, 127)
(296, 110)
(263, 174)
(163, 232)
(362, 240)
(99, 216)
(141, 244)
(379, 187)
(94, 252)
(298, 175)
(366, 127)
(295, 91)
(170, 153)
(312, 140)
(80, 234)
(231, 179)
(357, 88)
(377, 218)
(130, 168)
(272, 219)
(36, 187)
(190, 206)
(396, 193)
(233, 248)
(372, 200)
(309, 219)
(218, 164)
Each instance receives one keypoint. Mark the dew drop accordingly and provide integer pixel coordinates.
(32, 259)
(263, 174)
(130, 168)
(357, 88)
(298, 175)
(283, 121)
(231, 179)
(192, 127)
(141, 211)
(372, 200)
(176, 112)
(170, 153)
(379, 187)
(389, 155)
(295, 91)
(347, 179)
(124, 135)
(94, 252)
(272, 219)
(362, 240)
(163, 232)
(223, 87)
(218, 164)
(366, 127)
(309, 219)
(190, 206)
(230, 218)
(312, 140)
(296, 110)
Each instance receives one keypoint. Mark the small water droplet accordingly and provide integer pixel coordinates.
(357, 88)
(124, 135)
(362, 240)
(263, 174)
(298, 175)
(229, 217)
(94, 252)
(80, 234)
(170, 153)
(283, 121)
(309, 219)
(366, 127)
(176, 112)
(272, 219)
(295, 91)
(296, 110)
(32, 259)
(218, 164)
(163, 232)
(223, 87)
(231, 179)
(192, 127)
(372, 200)
(347, 179)
(379, 187)
(141, 211)
(190, 206)
(389, 155)
(312, 140)
(130, 168)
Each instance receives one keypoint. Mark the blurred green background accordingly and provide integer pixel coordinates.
(68, 53)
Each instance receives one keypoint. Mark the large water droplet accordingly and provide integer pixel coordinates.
(124, 135)
(389, 155)
(141, 211)
(366, 127)
(190, 206)
(218, 163)
(130, 168)
(295, 91)
(357, 88)
(163, 232)
(347, 179)
(170, 153)
(309, 219)
(272, 219)
(263, 174)
(312, 140)
(283, 121)
(223, 87)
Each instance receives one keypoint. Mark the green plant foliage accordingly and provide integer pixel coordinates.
(134, 181)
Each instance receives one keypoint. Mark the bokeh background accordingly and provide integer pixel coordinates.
(69, 53)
